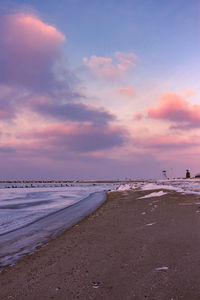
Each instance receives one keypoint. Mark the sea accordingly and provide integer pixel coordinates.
(32, 213)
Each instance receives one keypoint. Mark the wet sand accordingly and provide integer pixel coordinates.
(129, 248)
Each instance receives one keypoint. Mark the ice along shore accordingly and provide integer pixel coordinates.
(129, 248)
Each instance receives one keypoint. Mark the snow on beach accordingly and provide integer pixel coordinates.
(155, 194)
(184, 186)
(29, 216)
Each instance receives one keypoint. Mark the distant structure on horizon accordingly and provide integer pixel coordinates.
(188, 174)
(197, 175)
(164, 174)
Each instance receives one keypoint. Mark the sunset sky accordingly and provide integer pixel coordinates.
(94, 89)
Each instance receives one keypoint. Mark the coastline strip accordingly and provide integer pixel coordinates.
(111, 254)
(21, 241)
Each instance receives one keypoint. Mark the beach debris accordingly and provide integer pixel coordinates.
(58, 288)
(150, 224)
(96, 284)
(161, 268)
(143, 213)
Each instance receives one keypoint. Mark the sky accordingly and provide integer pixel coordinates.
(99, 89)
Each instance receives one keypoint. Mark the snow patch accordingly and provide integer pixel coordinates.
(155, 194)
(124, 187)
(161, 268)
(150, 224)
(154, 186)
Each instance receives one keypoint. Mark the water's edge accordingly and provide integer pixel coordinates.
(25, 240)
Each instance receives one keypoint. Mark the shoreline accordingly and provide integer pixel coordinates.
(129, 248)
(23, 241)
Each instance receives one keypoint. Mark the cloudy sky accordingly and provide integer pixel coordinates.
(95, 89)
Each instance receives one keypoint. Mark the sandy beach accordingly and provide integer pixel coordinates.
(129, 248)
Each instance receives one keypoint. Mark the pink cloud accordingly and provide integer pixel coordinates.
(5, 113)
(102, 66)
(8, 96)
(188, 93)
(47, 107)
(127, 91)
(29, 48)
(166, 143)
(127, 60)
(138, 116)
(110, 68)
(174, 107)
